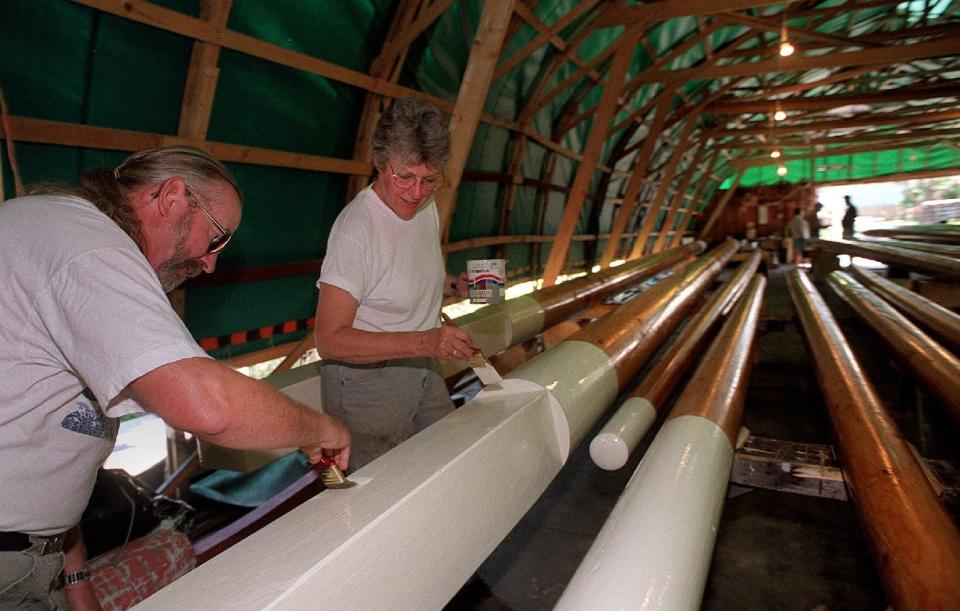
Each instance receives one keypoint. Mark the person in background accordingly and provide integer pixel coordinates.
(798, 230)
(814, 221)
(87, 334)
(849, 218)
(380, 290)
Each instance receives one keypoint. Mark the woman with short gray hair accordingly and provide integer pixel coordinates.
(381, 286)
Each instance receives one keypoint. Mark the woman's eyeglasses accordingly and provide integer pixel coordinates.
(406, 181)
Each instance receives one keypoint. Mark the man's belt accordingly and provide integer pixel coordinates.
(18, 542)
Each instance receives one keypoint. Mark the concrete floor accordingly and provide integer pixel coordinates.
(775, 550)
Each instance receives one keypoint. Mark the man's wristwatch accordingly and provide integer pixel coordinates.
(75, 577)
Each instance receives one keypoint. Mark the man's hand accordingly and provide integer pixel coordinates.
(337, 447)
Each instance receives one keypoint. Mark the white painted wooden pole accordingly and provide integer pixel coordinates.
(427, 513)
(654, 550)
(496, 327)
(611, 447)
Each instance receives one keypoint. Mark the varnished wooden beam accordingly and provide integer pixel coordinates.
(477, 77)
(766, 160)
(637, 180)
(898, 54)
(401, 42)
(545, 36)
(88, 136)
(661, 11)
(724, 200)
(591, 154)
(697, 198)
(872, 119)
(652, 215)
(202, 75)
(733, 107)
(678, 199)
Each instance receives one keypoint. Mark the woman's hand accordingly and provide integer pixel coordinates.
(450, 343)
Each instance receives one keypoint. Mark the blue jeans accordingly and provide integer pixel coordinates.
(26, 580)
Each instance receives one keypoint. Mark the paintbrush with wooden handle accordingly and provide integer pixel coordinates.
(481, 366)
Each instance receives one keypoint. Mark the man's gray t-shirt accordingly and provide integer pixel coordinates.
(82, 314)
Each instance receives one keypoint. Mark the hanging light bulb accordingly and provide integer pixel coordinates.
(775, 153)
(786, 48)
(779, 115)
(781, 170)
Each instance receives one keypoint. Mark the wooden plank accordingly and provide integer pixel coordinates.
(517, 149)
(661, 11)
(715, 213)
(388, 66)
(888, 96)
(591, 153)
(892, 55)
(677, 202)
(689, 216)
(632, 86)
(652, 214)
(184, 25)
(801, 468)
(401, 42)
(547, 73)
(473, 90)
(867, 121)
(543, 37)
(540, 100)
(259, 356)
(776, 24)
(106, 138)
(765, 160)
(637, 179)
(202, 75)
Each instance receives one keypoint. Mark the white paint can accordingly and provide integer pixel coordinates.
(487, 280)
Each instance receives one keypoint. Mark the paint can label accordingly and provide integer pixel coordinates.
(487, 280)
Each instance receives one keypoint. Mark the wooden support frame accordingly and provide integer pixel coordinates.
(697, 198)
(466, 113)
(652, 214)
(715, 213)
(677, 202)
(581, 182)
(637, 179)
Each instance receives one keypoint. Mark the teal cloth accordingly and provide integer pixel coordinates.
(255, 488)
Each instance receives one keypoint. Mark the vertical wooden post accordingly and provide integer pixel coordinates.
(588, 163)
(473, 91)
(201, 81)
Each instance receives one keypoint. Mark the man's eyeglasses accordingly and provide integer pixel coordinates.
(218, 243)
(406, 181)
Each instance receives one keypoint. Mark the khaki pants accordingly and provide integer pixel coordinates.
(26, 578)
(383, 403)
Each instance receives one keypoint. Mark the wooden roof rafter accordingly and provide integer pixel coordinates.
(544, 37)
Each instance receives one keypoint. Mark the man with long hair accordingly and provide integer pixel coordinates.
(87, 334)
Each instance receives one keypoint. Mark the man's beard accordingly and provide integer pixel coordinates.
(175, 270)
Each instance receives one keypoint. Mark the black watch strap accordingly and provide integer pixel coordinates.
(75, 577)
